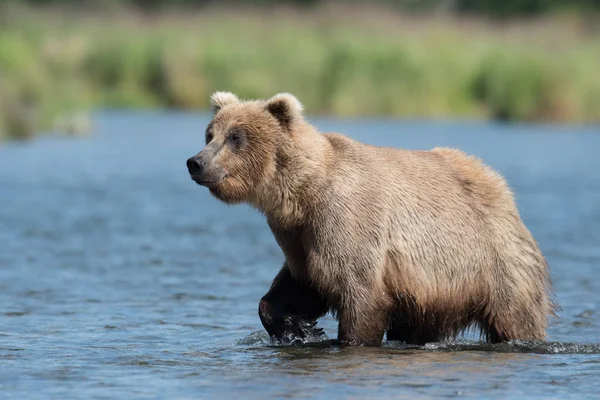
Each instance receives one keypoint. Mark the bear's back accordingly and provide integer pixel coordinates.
(442, 200)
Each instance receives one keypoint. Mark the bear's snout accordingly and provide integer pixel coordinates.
(195, 165)
(204, 171)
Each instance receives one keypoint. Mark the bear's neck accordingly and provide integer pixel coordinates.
(298, 180)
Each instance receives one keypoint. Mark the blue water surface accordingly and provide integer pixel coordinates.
(121, 278)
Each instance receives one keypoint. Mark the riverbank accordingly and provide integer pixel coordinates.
(337, 61)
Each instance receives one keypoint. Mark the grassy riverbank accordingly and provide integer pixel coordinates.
(342, 62)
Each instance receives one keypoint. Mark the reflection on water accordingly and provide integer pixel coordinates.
(120, 278)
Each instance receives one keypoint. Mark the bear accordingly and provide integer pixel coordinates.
(414, 245)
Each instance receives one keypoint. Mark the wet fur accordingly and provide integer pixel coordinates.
(421, 244)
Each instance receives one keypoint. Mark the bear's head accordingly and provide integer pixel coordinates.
(245, 144)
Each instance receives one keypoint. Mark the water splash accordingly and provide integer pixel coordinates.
(261, 339)
(516, 346)
(255, 339)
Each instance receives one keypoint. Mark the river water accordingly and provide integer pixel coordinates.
(121, 278)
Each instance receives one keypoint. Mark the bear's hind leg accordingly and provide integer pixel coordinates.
(520, 311)
(514, 324)
(290, 309)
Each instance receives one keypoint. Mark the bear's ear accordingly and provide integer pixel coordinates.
(220, 99)
(285, 107)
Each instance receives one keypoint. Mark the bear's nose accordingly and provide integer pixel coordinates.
(195, 165)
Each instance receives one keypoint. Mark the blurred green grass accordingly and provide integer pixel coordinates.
(56, 64)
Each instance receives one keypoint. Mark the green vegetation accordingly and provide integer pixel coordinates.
(496, 8)
(348, 62)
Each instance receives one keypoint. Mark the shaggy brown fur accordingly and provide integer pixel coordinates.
(421, 244)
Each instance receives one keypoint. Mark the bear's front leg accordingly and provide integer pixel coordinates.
(290, 309)
(362, 320)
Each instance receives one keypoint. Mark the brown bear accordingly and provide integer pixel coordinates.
(419, 244)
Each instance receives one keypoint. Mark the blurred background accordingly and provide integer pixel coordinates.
(514, 60)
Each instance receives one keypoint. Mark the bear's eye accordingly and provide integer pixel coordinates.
(235, 137)
(209, 138)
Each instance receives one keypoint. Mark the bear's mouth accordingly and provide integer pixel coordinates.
(207, 182)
